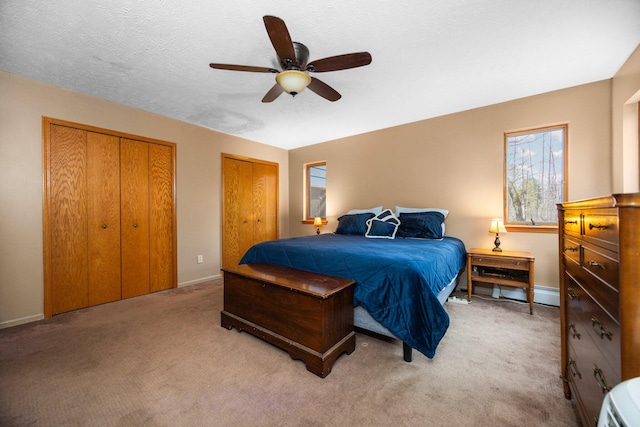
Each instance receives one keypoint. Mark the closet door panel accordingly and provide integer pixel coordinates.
(68, 219)
(161, 217)
(237, 230)
(265, 195)
(103, 189)
(134, 181)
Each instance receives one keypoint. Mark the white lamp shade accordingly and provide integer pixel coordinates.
(497, 226)
(317, 222)
(293, 81)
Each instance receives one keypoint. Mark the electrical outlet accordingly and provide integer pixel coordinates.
(200, 259)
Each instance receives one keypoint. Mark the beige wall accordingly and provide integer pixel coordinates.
(624, 112)
(453, 161)
(23, 102)
(456, 162)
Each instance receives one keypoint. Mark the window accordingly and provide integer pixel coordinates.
(316, 191)
(535, 178)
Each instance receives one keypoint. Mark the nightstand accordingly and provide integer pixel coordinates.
(509, 268)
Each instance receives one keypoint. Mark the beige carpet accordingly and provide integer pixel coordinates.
(164, 360)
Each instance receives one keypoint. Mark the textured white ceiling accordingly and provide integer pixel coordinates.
(430, 57)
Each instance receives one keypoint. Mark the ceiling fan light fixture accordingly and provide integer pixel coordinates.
(293, 81)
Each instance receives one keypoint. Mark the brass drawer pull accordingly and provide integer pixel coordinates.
(104, 226)
(601, 330)
(596, 264)
(574, 333)
(572, 294)
(574, 369)
(573, 221)
(571, 249)
(598, 226)
(600, 379)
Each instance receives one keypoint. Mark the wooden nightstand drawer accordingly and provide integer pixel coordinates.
(502, 262)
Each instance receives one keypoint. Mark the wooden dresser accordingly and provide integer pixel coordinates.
(599, 297)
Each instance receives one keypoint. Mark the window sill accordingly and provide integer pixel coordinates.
(522, 228)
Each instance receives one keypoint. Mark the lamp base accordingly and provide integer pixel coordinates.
(497, 244)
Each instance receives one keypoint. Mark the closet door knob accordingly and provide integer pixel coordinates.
(104, 226)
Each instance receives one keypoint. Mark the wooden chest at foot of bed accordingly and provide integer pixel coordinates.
(306, 314)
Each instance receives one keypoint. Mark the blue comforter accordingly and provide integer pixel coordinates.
(397, 280)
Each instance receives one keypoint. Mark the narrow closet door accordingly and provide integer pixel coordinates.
(103, 217)
(68, 271)
(160, 217)
(265, 202)
(134, 182)
(237, 209)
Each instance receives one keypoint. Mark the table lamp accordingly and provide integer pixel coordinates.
(497, 226)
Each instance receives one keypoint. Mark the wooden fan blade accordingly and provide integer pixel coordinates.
(273, 93)
(340, 62)
(243, 68)
(324, 90)
(280, 38)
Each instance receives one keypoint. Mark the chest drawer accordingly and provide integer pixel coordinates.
(571, 249)
(587, 321)
(605, 296)
(601, 264)
(590, 378)
(572, 221)
(601, 227)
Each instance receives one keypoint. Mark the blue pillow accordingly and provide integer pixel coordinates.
(421, 225)
(355, 224)
(382, 226)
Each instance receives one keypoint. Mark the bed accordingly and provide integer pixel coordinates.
(401, 282)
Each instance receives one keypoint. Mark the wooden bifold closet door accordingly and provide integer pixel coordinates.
(109, 216)
(249, 205)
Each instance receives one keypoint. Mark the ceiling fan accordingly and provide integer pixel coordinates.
(293, 57)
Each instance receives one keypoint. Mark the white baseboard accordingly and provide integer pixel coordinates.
(541, 294)
(200, 280)
(21, 321)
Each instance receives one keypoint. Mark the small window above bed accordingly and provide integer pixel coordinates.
(315, 191)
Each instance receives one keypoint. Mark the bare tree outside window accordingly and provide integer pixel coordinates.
(535, 171)
(316, 190)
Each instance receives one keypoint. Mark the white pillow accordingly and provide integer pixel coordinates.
(374, 211)
(400, 209)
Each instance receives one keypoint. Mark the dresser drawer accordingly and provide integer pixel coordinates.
(572, 221)
(601, 227)
(606, 297)
(571, 249)
(590, 377)
(587, 321)
(602, 264)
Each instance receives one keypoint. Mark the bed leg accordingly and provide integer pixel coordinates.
(407, 352)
